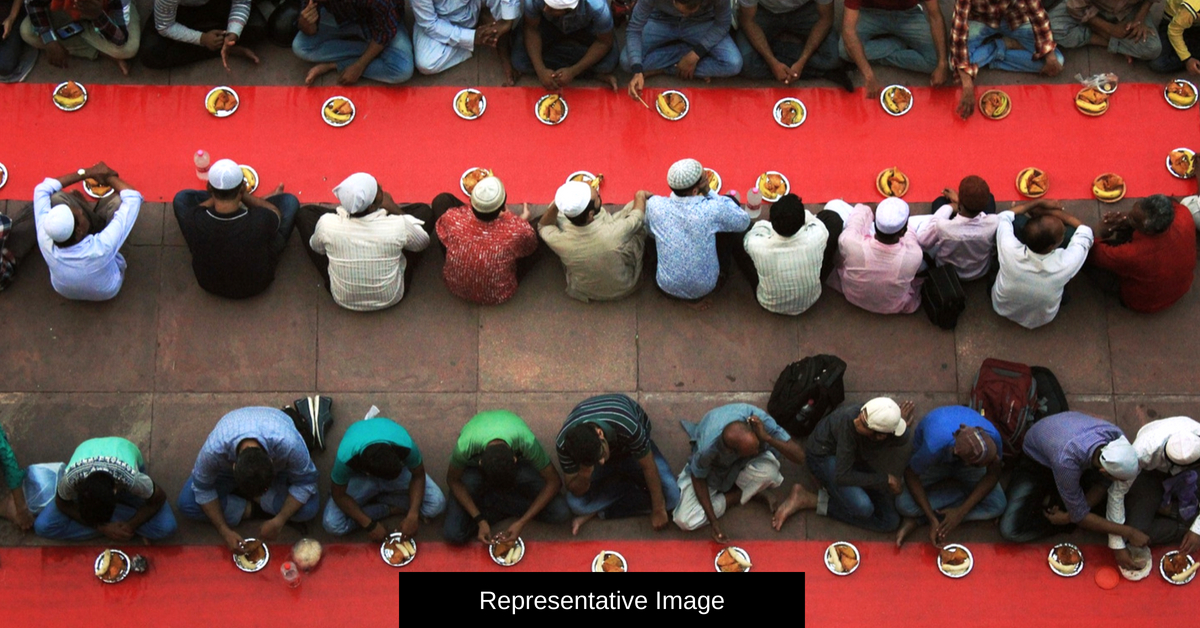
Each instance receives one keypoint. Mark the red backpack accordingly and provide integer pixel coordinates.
(1006, 394)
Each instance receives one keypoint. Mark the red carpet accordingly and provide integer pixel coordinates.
(414, 142)
(1009, 584)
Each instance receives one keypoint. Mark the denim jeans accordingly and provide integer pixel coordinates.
(561, 50)
(1168, 61)
(11, 48)
(1071, 33)
(496, 505)
(869, 508)
(53, 524)
(343, 44)
(619, 489)
(234, 506)
(376, 497)
(665, 43)
(1030, 491)
(798, 23)
(963, 481)
(987, 48)
(900, 39)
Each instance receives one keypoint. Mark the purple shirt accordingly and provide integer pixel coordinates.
(1065, 442)
(877, 277)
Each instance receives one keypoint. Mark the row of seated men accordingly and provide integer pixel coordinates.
(366, 248)
(257, 464)
(560, 41)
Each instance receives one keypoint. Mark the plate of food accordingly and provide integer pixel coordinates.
(1091, 101)
(95, 189)
(1108, 188)
(1066, 560)
(773, 185)
(583, 176)
(508, 553)
(672, 105)
(472, 176)
(254, 556)
(251, 176)
(221, 101)
(842, 558)
(1180, 94)
(551, 109)
(892, 182)
(732, 560)
(69, 96)
(469, 104)
(714, 180)
(995, 104)
(790, 113)
(338, 111)
(398, 551)
(1033, 182)
(955, 561)
(896, 99)
(610, 562)
(1181, 163)
(1177, 568)
(112, 566)
(3, 175)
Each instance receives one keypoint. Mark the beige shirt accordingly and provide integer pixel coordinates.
(602, 259)
(366, 256)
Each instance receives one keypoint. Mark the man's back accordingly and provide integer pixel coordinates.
(967, 244)
(602, 259)
(1029, 286)
(877, 277)
(1155, 271)
(685, 231)
(789, 268)
(92, 269)
(481, 256)
(366, 256)
(231, 253)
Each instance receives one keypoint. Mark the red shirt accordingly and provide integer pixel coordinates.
(885, 5)
(481, 257)
(1156, 270)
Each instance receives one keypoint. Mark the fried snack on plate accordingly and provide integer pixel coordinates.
(671, 105)
(552, 109)
(70, 95)
(1182, 162)
(1091, 101)
(473, 176)
(1108, 188)
(892, 182)
(469, 103)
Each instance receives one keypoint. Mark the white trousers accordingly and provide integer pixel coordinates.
(760, 474)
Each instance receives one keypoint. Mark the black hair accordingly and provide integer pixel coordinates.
(582, 443)
(381, 460)
(787, 215)
(253, 472)
(1159, 213)
(226, 195)
(97, 498)
(582, 218)
(488, 217)
(1039, 234)
(499, 466)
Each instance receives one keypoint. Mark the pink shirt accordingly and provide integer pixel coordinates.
(877, 277)
(967, 244)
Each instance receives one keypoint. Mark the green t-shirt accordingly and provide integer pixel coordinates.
(114, 455)
(486, 427)
(366, 433)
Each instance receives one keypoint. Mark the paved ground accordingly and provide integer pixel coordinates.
(164, 360)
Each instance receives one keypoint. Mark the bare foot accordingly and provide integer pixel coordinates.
(800, 499)
(124, 66)
(1012, 44)
(906, 528)
(609, 80)
(578, 522)
(318, 70)
(278, 190)
(248, 511)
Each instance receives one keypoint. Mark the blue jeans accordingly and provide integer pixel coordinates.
(798, 23)
(376, 497)
(496, 506)
(1168, 61)
(234, 506)
(11, 48)
(561, 50)
(1071, 33)
(987, 49)
(344, 44)
(900, 39)
(53, 524)
(287, 204)
(619, 489)
(949, 496)
(665, 43)
(1032, 489)
(868, 508)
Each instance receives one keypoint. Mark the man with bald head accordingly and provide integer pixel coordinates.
(734, 458)
(1034, 270)
(961, 233)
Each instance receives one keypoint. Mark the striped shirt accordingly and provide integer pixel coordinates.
(111, 23)
(165, 24)
(481, 257)
(1064, 443)
(789, 268)
(275, 432)
(1183, 16)
(8, 262)
(990, 12)
(623, 421)
(366, 256)
(684, 229)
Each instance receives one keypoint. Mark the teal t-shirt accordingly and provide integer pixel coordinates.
(366, 433)
(113, 455)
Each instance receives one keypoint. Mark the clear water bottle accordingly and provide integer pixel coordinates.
(291, 575)
(754, 202)
(202, 161)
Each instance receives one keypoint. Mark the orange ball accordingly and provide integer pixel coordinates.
(1107, 578)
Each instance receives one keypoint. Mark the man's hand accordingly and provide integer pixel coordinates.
(760, 431)
(1137, 31)
(636, 85)
(100, 171)
(270, 529)
(1053, 65)
(89, 9)
(58, 54)
(1056, 516)
(485, 533)
(951, 195)
(351, 74)
(871, 87)
(782, 72)
(1125, 559)
(230, 47)
(966, 104)
(659, 518)
(213, 40)
(116, 530)
(24, 519)
(525, 215)
(409, 526)
(233, 540)
(487, 35)
(687, 65)
(310, 18)
(718, 535)
(378, 533)
(941, 76)
(1193, 65)
(951, 518)
(1137, 538)
(564, 77)
(511, 534)
(546, 77)
(1190, 543)
(895, 484)
(9, 22)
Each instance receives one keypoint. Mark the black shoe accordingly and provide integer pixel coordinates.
(316, 418)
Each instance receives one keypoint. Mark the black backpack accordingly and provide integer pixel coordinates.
(942, 296)
(806, 392)
(1050, 396)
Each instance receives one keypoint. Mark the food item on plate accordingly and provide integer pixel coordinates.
(111, 566)
(892, 182)
(1183, 162)
(97, 188)
(1109, 187)
(841, 558)
(508, 552)
(251, 178)
(474, 176)
(714, 180)
(584, 177)
(897, 99)
(995, 104)
(612, 564)
(731, 560)
(339, 111)
(469, 103)
(1065, 559)
(220, 100)
(402, 550)
(552, 109)
(253, 552)
(671, 104)
(1033, 182)
(1181, 93)
(1179, 567)
(70, 95)
(955, 560)
(772, 185)
(791, 112)
(1092, 101)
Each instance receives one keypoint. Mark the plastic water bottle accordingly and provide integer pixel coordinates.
(291, 575)
(754, 202)
(202, 161)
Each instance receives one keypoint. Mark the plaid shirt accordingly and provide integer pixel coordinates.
(380, 18)
(990, 12)
(8, 263)
(110, 24)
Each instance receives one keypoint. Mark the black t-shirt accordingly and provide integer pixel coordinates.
(231, 253)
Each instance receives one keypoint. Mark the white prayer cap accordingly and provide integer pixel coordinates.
(891, 215)
(1183, 448)
(488, 195)
(572, 198)
(1120, 459)
(225, 175)
(562, 5)
(59, 223)
(883, 415)
(357, 192)
(684, 173)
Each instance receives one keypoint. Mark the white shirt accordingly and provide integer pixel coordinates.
(789, 268)
(1151, 448)
(93, 268)
(1029, 288)
(967, 244)
(366, 256)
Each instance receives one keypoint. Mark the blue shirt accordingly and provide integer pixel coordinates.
(1065, 442)
(593, 15)
(933, 439)
(271, 428)
(711, 460)
(685, 230)
(716, 14)
(452, 22)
